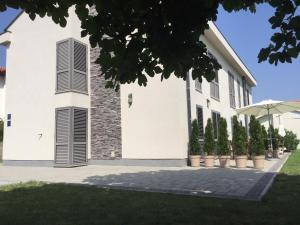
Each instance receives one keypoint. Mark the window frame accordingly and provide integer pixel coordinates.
(71, 69)
(231, 79)
(218, 116)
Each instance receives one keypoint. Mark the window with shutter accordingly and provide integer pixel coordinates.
(215, 121)
(200, 121)
(214, 84)
(239, 93)
(71, 137)
(198, 85)
(71, 66)
(231, 90)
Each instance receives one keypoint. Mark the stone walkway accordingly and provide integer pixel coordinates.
(246, 184)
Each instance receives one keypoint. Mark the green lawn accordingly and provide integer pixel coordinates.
(37, 203)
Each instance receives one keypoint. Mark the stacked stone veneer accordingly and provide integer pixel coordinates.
(105, 115)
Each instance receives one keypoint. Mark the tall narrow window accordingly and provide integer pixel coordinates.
(231, 90)
(214, 84)
(71, 137)
(215, 121)
(239, 93)
(71, 66)
(198, 85)
(214, 88)
(200, 122)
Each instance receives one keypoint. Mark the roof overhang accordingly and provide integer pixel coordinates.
(5, 38)
(218, 41)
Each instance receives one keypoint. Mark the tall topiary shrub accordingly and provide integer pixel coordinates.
(194, 145)
(256, 140)
(209, 142)
(238, 138)
(273, 135)
(265, 136)
(223, 143)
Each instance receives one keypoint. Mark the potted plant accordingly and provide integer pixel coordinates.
(194, 145)
(239, 143)
(256, 143)
(209, 144)
(223, 144)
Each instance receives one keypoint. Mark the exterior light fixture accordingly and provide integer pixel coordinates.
(130, 99)
(208, 103)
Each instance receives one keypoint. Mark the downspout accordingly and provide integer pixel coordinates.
(245, 103)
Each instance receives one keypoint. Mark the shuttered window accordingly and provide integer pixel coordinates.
(231, 90)
(71, 66)
(215, 121)
(71, 137)
(239, 93)
(214, 88)
(198, 85)
(200, 121)
(214, 84)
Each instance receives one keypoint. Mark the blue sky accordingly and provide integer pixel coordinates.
(247, 33)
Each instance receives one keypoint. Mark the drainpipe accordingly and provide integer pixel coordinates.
(245, 102)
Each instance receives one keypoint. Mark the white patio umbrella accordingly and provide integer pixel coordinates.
(268, 107)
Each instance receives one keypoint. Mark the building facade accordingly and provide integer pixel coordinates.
(57, 111)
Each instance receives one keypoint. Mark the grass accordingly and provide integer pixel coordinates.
(37, 203)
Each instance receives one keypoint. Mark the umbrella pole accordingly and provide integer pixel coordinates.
(270, 133)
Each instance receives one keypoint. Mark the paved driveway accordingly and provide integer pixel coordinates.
(231, 183)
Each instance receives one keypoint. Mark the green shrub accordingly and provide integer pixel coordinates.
(256, 146)
(274, 135)
(290, 140)
(239, 138)
(265, 137)
(1, 130)
(209, 142)
(223, 143)
(194, 145)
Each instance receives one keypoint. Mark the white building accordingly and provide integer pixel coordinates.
(289, 121)
(57, 110)
(2, 92)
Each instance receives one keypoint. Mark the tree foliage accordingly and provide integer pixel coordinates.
(209, 142)
(256, 137)
(141, 39)
(223, 143)
(194, 145)
(291, 141)
(265, 137)
(238, 138)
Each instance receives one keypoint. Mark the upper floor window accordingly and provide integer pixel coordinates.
(214, 84)
(198, 85)
(214, 88)
(231, 90)
(239, 93)
(71, 66)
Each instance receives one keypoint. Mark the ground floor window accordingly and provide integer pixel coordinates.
(71, 136)
(215, 120)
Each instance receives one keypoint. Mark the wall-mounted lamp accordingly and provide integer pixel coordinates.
(130, 99)
(208, 103)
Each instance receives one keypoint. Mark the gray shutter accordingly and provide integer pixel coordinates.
(79, 136)
(79, 73)
(71, 137)
(62, 145)
(63, 65)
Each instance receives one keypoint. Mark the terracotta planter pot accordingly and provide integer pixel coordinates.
(224, 161)
(241, 161)
(209, 161)
(195, 160)
(259, 162)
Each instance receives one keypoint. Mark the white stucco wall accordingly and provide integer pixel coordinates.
(223, 104)
(155, 126)
(30, 95)
(2, 97)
